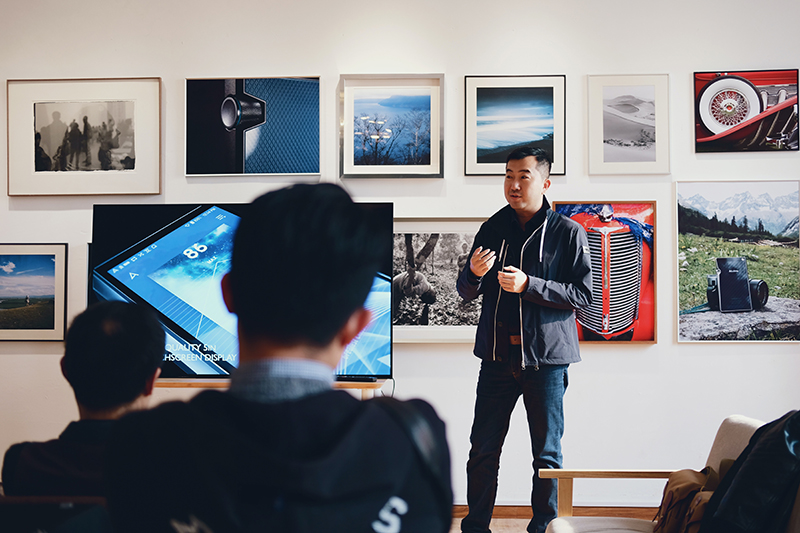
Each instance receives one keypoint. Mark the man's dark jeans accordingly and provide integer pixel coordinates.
(500, 384)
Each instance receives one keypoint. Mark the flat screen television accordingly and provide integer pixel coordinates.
(171, 258)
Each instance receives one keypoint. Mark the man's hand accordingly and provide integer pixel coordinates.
(481, 261)
(512, 279)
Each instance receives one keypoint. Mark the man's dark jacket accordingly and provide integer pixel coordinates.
(559, 281)
(71, 465)
(326, 462)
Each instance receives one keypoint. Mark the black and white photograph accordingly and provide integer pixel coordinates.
(629, 124)
(428, 256)
(738, 261)
(509, 112)
(425, 269)
(84, 136)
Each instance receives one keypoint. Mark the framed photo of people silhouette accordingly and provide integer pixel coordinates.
(84, 136)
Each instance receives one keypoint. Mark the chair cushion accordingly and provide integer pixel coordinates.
(597, 524)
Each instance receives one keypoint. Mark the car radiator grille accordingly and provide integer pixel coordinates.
(616, 282)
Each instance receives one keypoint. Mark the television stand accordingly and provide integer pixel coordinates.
(368, 388)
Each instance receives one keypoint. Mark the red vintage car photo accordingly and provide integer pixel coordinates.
(746, 111)
(622, 243)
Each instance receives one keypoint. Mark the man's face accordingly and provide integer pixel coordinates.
(524, 185)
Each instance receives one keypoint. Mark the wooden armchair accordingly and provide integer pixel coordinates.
(732, 438)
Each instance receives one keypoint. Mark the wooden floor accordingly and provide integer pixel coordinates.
(510, 519)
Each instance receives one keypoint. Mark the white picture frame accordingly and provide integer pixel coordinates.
(360, 91)
(626, 137)
(451, 303)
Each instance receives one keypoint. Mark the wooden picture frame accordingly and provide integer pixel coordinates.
(90, 136)
(33, 292)
(622, 241)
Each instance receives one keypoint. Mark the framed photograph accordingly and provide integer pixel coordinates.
(429, 254)
(738, 261)
(33, 286)
(622, 242)
(503, 113)
(629, 124)
(252, 126)
(746, 111)
(391, 126)
(90, 136)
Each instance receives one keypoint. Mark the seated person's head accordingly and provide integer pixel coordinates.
(113, 355)
(304, 260)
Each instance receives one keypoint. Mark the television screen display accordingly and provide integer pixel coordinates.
(172, 258)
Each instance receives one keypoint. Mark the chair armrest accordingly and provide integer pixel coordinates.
(565, 477)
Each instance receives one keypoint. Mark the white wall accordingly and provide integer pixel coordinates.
(627, 406)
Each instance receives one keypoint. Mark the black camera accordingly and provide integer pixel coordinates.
(730, 289)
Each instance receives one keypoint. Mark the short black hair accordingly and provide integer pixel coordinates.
(112, 349)
(304, 259)
(543, 159)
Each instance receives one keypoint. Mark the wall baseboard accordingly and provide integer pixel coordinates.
(521, 511)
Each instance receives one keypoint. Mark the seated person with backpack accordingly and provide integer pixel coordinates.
(280, 450)
(113, 355)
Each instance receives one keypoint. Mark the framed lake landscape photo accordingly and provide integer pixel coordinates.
(622, 244)
(738, 261)
(746, 111)
(263, 126)
(84, 136)
(629, 124)
(33, 281)
(428, 256)
(391, 126)
(503, 113)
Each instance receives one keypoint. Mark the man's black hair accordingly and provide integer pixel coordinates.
(112, 349)
(304, 259)
(543, 159)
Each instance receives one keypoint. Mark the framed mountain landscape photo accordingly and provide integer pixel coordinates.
(738, 261)
(629, 124)
(503, 113)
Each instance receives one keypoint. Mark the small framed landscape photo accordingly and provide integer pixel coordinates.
(503, 113)
(429, 254)
(84, 136)
(622, 244)
(391, 126)
(33, 292)
(629, 124)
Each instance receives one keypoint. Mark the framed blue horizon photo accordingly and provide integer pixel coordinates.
(509, 112)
